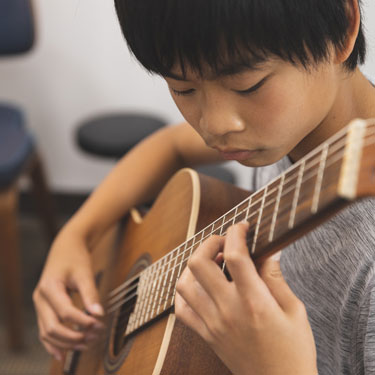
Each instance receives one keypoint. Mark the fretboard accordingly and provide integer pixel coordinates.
(323, 178)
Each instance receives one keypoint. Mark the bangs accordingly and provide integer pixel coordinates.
(164, 34)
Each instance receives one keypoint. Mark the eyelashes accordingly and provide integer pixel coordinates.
(248, 91)
(253, 88)
(182, 93)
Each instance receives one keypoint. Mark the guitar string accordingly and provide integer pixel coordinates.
(169, 269)
(286, 181)
(166, 298)
(160, 275)
(253, 213)
(218, 228)
(315, 151)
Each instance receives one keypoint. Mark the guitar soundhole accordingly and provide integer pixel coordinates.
(119, 345)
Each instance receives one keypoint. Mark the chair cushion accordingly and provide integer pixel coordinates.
(16, 26)
(16, 144)
(114, 135)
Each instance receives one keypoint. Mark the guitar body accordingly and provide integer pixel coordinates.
(188, 203)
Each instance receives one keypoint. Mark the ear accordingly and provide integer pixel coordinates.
(354, 17)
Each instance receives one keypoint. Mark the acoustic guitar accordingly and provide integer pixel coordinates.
(137, 275)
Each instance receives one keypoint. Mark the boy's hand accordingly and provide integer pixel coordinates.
(255, 323)
(68, 267)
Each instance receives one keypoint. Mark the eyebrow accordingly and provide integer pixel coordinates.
(225, 71)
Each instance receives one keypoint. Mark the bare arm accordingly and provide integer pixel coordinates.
(136, 179)
(140, 175)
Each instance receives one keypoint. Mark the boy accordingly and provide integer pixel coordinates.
(259, 82)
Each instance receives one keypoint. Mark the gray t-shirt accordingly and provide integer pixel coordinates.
(332, 270)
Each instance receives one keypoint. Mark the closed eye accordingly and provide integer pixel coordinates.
(253, 88)
(183, 93)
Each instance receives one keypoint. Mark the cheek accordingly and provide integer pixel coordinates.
(287, 112)
(277, 112)
(188, 109)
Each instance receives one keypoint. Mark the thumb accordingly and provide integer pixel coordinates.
(87, 289)
(272, 276)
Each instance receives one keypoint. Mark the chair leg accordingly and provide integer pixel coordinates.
(10, 268)
(45, 204)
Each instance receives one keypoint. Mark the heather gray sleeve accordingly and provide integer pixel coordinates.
(369, 350)
(364, 345)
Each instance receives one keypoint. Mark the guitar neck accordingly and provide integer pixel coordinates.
(323, 182)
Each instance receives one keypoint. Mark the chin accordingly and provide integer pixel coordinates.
(262, 160)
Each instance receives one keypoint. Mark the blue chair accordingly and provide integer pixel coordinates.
(18, 156)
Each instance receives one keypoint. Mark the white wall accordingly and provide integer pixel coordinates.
(81, 67)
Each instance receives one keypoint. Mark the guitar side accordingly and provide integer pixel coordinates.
(187, 204)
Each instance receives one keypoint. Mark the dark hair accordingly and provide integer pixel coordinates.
(163, 33)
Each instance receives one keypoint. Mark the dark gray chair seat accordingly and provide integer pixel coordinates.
(113, 135)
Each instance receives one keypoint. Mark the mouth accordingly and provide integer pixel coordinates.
(237, 154)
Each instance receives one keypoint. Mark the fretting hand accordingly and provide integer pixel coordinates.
(254, 323)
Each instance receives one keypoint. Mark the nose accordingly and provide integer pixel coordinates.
(219, 119)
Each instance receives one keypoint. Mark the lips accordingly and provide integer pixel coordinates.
(237, 154)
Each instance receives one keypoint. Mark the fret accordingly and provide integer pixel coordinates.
(248, 208)
(179, 264)
(296, 195)
(241, 212)
(207, 232)
(276, 209)
(150, 295)
(159, 279)
(217, 226)
(171, 278)
(222, 226)
(227, 222)
(163, 287)
(199, 238)
(268, 210)
(181, 261)
(319, 179)
(235, 216)
(259, 220)
(134, 316)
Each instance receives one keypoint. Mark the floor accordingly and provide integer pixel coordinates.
(33, 359)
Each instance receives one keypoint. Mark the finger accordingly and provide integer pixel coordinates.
(187, 316)
(51, 327)
(57, 297)
(195, 296)
(219, 258)
(55, 352)
(272, 276)
(238, 261)
(203, 266)
(89, 293)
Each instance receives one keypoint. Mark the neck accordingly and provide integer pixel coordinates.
(354, 97)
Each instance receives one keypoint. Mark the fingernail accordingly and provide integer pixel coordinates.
(58, 357)
(96, 309)
(276, 256)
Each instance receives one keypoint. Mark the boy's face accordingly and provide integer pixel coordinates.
(258, 116)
